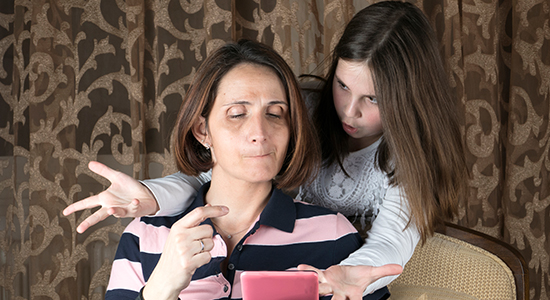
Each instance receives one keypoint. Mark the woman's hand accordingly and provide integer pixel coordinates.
(349, 282)
(126, 197)
(186, 249)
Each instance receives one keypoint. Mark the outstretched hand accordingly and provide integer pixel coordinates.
(126, 197)
(349, 282)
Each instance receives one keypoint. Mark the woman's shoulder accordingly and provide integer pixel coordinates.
(154, 222)
(322, 219)
(307, 210)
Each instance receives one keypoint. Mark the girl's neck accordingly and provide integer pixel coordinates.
(362, 143)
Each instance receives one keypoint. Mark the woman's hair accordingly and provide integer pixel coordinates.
(303, 155)
(421, 148)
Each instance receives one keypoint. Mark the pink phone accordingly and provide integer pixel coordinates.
(279, 285)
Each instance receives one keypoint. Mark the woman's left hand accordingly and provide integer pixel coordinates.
(349, 282)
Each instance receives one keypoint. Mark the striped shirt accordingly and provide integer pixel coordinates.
(286, 234)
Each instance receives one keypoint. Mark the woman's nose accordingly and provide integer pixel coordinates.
(257, 129)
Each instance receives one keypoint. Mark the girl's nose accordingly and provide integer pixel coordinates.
(352, 109)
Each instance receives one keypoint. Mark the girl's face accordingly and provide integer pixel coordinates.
(248, 126)
(356, 104)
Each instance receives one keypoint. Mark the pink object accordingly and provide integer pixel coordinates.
(279, 285)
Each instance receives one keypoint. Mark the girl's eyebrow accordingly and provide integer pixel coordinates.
(342, 82)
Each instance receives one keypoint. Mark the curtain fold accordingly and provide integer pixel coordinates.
(103, 80)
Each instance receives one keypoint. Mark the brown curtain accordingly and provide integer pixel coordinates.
(103, 80)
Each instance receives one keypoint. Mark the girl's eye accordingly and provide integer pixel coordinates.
(342, 85)
(373, 100)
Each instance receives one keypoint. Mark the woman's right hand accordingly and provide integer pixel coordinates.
(126, 197)
(186, 249)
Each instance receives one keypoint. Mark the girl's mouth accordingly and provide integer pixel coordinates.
(349, 129)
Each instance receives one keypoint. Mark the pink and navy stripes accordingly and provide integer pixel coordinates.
(286, 234)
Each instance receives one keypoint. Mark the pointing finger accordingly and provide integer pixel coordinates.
(199, 214)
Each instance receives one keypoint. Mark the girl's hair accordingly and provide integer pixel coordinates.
(303, 154)
(421, 148)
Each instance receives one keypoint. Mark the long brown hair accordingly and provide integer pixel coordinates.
(421, 148)
(303, 155)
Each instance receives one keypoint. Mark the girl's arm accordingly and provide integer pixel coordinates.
(127, 197)
(174, 193)
(387, 242)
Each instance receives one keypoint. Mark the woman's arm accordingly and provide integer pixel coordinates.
(387, 242)
(182, 250)
(187, 248)
(126, 277)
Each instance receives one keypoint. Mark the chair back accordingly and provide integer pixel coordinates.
(460, 263)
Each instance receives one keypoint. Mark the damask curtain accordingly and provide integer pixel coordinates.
(103, 80)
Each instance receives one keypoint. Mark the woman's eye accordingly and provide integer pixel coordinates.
(276, 112)
(373, 100)
(236, 112)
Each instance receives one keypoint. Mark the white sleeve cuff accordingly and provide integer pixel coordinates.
(174, 193)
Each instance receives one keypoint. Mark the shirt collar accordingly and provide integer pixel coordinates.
(279, 213)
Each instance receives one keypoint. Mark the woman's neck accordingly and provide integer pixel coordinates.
(245, 201)
(231, 193)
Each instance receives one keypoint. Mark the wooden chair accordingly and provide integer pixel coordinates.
(460, 263)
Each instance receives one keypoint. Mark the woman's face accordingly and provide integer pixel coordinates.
(248, 126)
(355, 103)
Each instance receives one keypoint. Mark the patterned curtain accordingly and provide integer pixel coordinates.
(103, 80)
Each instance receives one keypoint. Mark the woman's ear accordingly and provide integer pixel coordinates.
(201, 133)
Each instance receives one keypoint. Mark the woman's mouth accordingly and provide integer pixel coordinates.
(349, 129)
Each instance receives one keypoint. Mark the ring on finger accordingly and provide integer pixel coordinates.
(202, 245)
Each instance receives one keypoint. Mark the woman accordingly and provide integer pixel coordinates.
(243, 118)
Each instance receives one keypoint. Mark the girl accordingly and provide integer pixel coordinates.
(390, 141)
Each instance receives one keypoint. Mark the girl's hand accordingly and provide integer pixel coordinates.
(186, 249)
(126, 197)
(349, 282)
